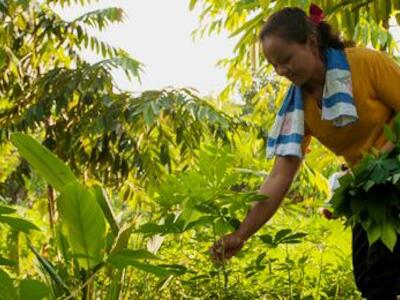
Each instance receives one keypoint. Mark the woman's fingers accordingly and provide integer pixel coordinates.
(218, 250)
(224, 248)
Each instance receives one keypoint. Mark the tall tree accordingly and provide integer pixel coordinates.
(49, 90)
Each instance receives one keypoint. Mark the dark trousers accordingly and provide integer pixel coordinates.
(376, 269)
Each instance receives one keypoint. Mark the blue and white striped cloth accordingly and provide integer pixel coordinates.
(287, 133)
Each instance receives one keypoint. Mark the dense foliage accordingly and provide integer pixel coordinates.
(373, 188)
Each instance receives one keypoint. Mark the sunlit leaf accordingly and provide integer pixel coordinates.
(83, 222)
(7, 288)
(45, 163)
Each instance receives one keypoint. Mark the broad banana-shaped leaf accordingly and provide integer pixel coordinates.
(56, 173)
(83, 223)
(33, 290)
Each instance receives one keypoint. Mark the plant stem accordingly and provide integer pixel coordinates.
(320, 273)
(218, 269)
(289, 273)
(51, 206)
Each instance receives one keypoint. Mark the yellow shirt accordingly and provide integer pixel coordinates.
(376, 93)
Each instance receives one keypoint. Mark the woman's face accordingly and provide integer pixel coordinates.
(294, 61)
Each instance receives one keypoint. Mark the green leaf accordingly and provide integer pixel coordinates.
(376, 210)
(341, 5)
(389, 236)
(374, 233)
(7, 290)
(122, 258)
(125, 258)
(252, 23)
(83, 222)
(397, 123)
(7, 262)
(114, 289)
(56, 173)
(121, 241)
(293, 238)
(50, 270)
(389, 134)
(148, 115)
(99, 18)
(33, 290)
(192, 4)
(390, 164)
(62, 242)
(368, 185)
(18, 224)
(5, 210)
(281, 234)
(190, 215)
(151, 228)
(130, 66)
(267, 239)
(379, 174)
(395, 178)
(104, 202)
(3, 57)
(123, 262)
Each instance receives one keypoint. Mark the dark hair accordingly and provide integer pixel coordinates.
(293, 25)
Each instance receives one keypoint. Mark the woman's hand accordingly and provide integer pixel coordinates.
(226, 247)
(274, 188)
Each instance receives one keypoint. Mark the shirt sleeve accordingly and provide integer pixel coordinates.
(385, 75)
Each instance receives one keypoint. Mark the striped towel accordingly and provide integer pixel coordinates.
(287, 133)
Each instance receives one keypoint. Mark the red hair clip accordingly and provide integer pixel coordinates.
(316, 14)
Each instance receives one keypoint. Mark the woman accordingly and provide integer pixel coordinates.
(341, 95)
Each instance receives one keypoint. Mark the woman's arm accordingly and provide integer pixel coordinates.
(274, 188)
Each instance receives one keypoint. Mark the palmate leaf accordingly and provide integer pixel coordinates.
(371, 197)
(83, 222)
(46, 164)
